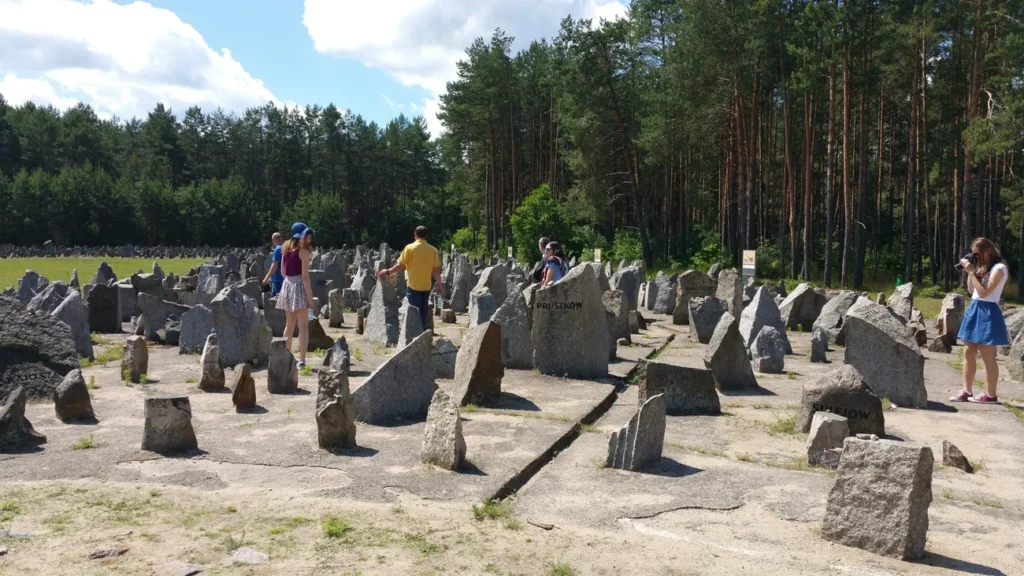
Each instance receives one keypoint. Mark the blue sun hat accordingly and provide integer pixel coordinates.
(299, 230)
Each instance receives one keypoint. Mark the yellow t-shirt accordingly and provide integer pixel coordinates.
(419, 259)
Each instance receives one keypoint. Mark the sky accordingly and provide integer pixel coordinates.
(377, 58)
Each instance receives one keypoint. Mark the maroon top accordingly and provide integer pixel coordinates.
(291, 263)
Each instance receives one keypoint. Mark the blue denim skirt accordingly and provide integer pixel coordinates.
(983, 324)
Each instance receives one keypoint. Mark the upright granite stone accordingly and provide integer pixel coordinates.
(168, 425)
(954, 458)
(382, 323)
(951, 315)
(444, 357)
(242, 333)
(819, 346)
(617, 314)
(336, 305)
(335, 412)
(47, 300)
(409, 326)
(639, 443)
(726, 357)
(880, 500)
(128, 299)
(104, 275)
(443, 443)
(482, 306)
(687, 391)
(569, 327)
(704, 315)
(363, 282)
(71, 399)
(516, 342)
(692, 284)
(833, 314)
(283, 372)
(243, 391)
(879, 347)
(825, 441)
(902, 301)
(801, 308)
(479, 369)
(494, 278)
(135, 362)
(768, 351)
(338, 357)
(462, 284)
(843, 392)
(664, 299)
(104, 309)
(74, 283)
(730, 291)
(211, 280)
(16, 432)
(158, 312)
(196, 325)
(401, 387)
(627, 281)
(212, 378)
(73, 312)
(36, 350)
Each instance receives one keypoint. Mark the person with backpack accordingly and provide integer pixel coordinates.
(555, 267)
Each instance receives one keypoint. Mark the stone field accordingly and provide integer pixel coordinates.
(516, 470)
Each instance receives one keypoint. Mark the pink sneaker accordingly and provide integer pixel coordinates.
(984, 399)
(963, 396)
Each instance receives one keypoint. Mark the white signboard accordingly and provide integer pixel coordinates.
(597, 254)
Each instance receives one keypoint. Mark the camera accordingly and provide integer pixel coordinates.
(970, 257)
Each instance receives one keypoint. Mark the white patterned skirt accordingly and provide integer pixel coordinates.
(292, 296)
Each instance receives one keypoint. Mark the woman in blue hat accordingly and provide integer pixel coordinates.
(296, 297)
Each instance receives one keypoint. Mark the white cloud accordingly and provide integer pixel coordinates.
(418, 42)
(120, 59)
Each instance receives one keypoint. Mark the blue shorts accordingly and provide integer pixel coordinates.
(275, 288)
(984, 324)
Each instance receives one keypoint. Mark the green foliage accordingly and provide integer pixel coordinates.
(473, 242)
(319, 211)
(537, 216)
(87, 442)
(492, 510)
(932, 292)
(625, 247)
(334, 526)
(711, 250)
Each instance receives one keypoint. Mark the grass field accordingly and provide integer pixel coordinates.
(12, 269)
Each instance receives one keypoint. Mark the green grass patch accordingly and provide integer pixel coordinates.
(307, 370)
(947, 493)
(357, 354)
(190, 380)
(59, 269)
(744, 457)
(791, 375)
(886, 403)
(977, 466)
(469, 408)
(1016, 411)
(513, 524)
(783, 425)
(334, 526)
(957, 364)
(492, 510)
(561, 569)
(114, 353)
(762, 406)
(231, 543)
(289, 525)
(589, 429)
(87, 442)
(92, 384)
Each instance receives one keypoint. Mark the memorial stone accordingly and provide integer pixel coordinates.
(16, 432)
(444, 358)
(639, 443)
(730, 291)
(443, 443)
(243, 392)
(135, 362)
(828, 431)
(516, 342)
(891, 363)
(71, 399)
(400, 387)
(73, 312)
(569, 327)
(104, 309)
(335, 412)
(688, 391)
(703, 317)
(212, 378)
(478, 368)
(726, 357)
(168, 425)
(382, 324)
(283, 372)
(691, 284)
(843, 392)
(768, 351)
(833, 314)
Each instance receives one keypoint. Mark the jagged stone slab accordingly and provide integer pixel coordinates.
(951, 315)
(242, 334)
(338, 358)
(618, 320)
(158, 312)
(212, 378)
(878, 346)
(691, 284)
(569, 327)
(828, 432)
(479, 368)
(760, 312)
(880, 499)
(443, 443)
(128, 299)
(627, 281)
(47, 300)
(730, 291)
(36, 350)
(336, 305)
(843, 392)
(462, 283)
(688, 391)
(16, 432)
(726, 357)
(954, 458)
(196, 326)
(444, 358)
(902, 301)
(495, 279)
(283, 371)
(768, 351)
(382, 324)
(819, 346)
(401, 387)
(71, 399)
(135, 362)
(801, 308)
(104, 309)
(662, 297)
(168, 425)
(73, 312)
(243, 391)
(516, 342)
(703, 317)
(482, 306)
(335, 412)
(833, 314)
(639, 443)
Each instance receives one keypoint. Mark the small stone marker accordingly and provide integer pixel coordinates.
(954, 458)
(168, 425)
(71, 398)
(409, 325)
(338, 358)
(336, 307)
(182, 569)
(938, 344)
(825, 441)
(479, 368)
(400, 387)
(283, 372)
(212, 379)
(73, 312)
(768, 351)
(951, 315)
(16, 431)
(516, 341)
(902, 301)
(104, 309)
(618, 320)
(880, 500)
(760, 312)
(443, 443)
(819, 345)
(802, 307)
(381, 325)
(687, 391)
(448, 316)
(639, 443)
(691, 284)
(726, 357)
(243, 393)
(842, 391)
(444, 358)
(335, 412)
(730, 291)
(704, 314)
(136, 359)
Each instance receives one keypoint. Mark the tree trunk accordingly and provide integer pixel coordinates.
(847, 208)
(830, 200)
(808, 181)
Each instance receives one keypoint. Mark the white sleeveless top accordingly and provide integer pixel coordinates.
(997, 294)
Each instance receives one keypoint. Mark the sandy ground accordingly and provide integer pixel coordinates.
(732, 494)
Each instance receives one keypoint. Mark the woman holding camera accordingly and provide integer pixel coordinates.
(983, 327)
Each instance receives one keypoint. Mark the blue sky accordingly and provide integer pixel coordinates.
(377, 58)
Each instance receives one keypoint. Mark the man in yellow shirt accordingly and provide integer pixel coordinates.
(421, 264)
